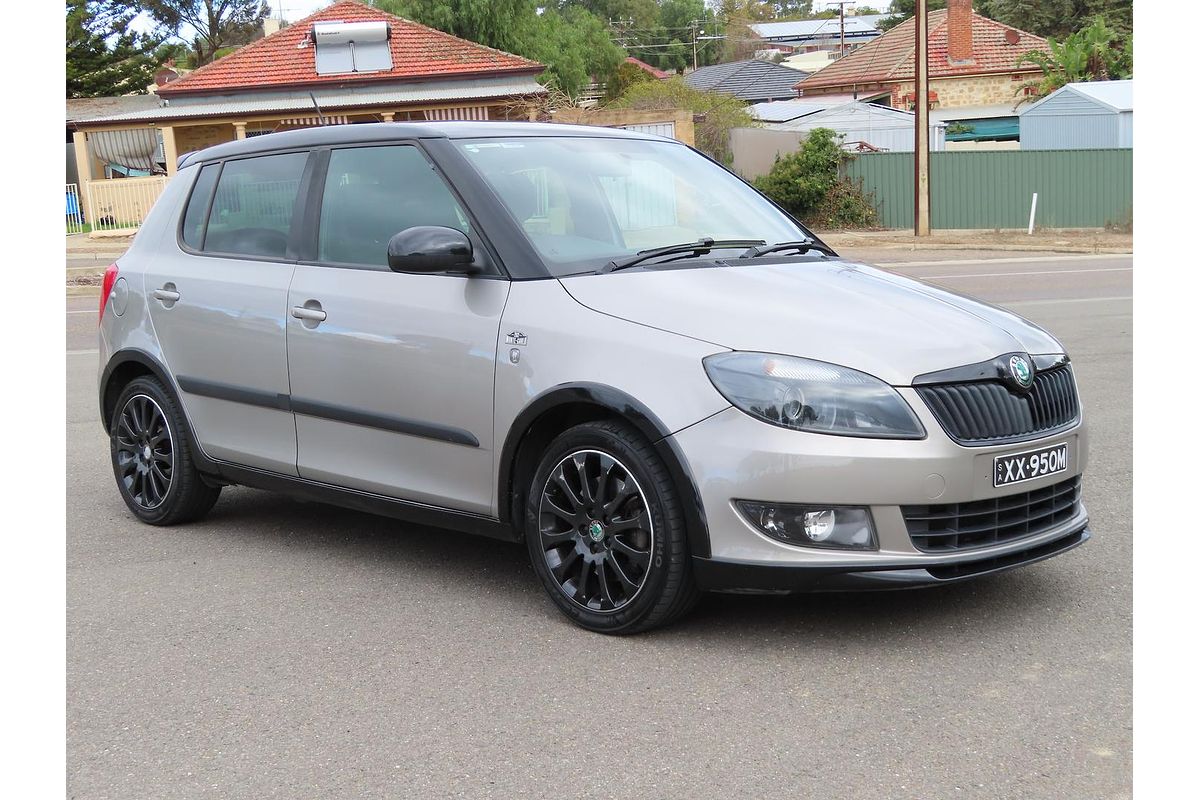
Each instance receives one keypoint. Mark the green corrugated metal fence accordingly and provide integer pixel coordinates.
(993, 188)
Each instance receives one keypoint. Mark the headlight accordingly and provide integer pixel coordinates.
(812, 396)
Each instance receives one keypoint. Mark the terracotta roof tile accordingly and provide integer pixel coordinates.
(278, 61)
(890, 57)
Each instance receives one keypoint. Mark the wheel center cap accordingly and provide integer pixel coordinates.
(595, 530)
(146, 452)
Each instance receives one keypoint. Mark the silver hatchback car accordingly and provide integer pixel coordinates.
(597, 342)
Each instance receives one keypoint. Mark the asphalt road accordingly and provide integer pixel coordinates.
(286, 649)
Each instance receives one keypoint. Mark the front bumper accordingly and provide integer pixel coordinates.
(733, 456)
(732, 576)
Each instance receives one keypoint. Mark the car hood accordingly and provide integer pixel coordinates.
(854, 315)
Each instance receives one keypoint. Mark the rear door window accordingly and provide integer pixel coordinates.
(373, 193)
(252, 209)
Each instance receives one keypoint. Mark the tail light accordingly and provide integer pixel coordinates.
(110, 278)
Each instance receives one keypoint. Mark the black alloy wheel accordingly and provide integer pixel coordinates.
(595, 533)
(605, 530)
(151, 451)
(145, 455)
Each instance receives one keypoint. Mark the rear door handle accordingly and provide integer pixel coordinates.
(166, 294)
(310, 314)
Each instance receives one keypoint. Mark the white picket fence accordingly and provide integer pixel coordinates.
(121, 204)
(74, 210)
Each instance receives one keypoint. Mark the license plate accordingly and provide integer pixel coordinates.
(1021, 467)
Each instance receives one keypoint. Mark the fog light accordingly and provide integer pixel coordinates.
(840, 527)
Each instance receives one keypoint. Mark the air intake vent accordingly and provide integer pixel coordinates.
(346, 47)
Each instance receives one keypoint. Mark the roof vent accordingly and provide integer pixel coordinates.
(344, 47)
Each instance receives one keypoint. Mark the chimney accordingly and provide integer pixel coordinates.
(958, 30)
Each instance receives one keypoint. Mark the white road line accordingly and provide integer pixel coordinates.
(1015, 274)
(89, 311)
(83, 352)
(1066, 301)
(1014, 260)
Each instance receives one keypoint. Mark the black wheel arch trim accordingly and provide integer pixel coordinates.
(203, 463)
(637, 414)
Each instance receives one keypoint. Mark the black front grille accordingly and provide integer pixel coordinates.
(952, 527)
(988, 412)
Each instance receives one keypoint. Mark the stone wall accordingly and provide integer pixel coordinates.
(975, 90)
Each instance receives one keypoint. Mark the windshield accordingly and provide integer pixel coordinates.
(584, 202)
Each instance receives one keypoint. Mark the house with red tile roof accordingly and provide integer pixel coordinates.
(644, 67)
(973, 61)
(344, 64)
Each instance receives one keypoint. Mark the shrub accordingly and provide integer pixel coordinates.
(807, 184)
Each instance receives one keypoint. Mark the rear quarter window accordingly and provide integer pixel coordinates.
(253, 205)
(197, 207)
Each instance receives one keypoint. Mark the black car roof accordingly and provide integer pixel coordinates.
(388, 131)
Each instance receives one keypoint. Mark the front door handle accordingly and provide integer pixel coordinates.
(308, 313)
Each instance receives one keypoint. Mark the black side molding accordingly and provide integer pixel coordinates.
(313, 408)
(426, 430)
(235, 394)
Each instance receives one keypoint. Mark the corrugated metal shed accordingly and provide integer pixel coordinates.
(883, 128)
(785, 110)
(1080, 116)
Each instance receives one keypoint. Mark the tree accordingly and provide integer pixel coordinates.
(1096, 53)
(1057, 18)
(715, 113)
(575, 47)
(573, 43)
(217, 24)
(904, 9)
(625, 76)
(104, 57)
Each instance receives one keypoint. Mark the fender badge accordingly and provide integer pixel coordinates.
(517, 338)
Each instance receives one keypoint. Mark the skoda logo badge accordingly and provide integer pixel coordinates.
(1021, 371)
(595, 530)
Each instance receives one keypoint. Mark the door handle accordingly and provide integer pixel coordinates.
(166, 294)
(310, 314)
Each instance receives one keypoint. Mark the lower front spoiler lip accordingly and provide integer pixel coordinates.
(729, 576)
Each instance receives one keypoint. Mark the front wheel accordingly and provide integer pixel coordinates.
(605, 531)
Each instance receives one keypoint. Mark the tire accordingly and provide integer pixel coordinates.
(588, 550)
(152, 457)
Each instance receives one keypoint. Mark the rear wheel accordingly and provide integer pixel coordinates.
(605, 531)
(152, 457)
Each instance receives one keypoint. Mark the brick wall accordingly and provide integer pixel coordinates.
(189, 138)
(958, 30)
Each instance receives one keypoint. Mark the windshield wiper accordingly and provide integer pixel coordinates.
(802, 245)
(700, 247)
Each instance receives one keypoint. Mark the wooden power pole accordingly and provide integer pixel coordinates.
(921, 141)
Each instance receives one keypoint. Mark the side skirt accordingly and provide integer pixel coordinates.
(416, 513)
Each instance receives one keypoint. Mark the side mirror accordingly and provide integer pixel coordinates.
(431, 248)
